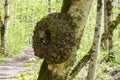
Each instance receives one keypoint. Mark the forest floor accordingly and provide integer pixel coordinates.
(11, 69)
(26, 64)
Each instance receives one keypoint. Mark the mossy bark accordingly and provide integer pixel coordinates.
(59, 48)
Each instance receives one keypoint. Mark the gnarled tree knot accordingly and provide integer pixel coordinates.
(54, 38)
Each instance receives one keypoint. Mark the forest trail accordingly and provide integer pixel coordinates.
(13, 68)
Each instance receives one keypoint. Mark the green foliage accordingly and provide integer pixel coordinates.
(102, 76)
(4, 59)
(24, 15)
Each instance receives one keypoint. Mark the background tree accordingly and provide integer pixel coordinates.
(96, 43)
(4, 28)
(107, 19)
(1, 33)
(110, 38)
(49, 4)
(105, 23)
(6, 25)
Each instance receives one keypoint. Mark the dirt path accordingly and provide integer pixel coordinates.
(13, 68)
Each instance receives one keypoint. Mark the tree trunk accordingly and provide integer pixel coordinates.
(96, 43)
(49, 6)
(1, 33)
(112, 26)
(15, 9)
(105, 24)
(6, 25)
(118, 7)
(107, 19)
(75, 13)
(110, 38)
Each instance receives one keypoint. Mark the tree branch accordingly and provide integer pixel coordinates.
(80, 65)
(112, 25)
(116, 77)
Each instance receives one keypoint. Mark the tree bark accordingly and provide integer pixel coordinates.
(96, 43)
(111, 27)
(107, 19)
(6, 25)
(1, 33)
(110, 39)
(77, 13)
(115, 77)
(105, 24)
(49, 6)
(80, 65)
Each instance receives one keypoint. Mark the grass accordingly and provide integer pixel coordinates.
(10, 57)
(32, 73)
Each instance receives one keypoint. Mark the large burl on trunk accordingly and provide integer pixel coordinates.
(57, 36)
(54, 38)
